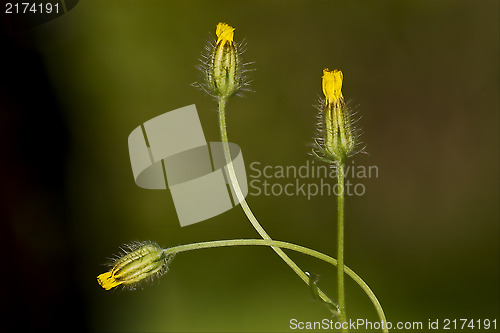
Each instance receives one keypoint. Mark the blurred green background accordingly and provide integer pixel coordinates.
(424, 77)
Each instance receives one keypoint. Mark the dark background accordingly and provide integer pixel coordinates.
(424, 76)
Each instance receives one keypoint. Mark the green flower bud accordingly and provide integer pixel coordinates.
(223, 72)
(338, 140)
(144, 262)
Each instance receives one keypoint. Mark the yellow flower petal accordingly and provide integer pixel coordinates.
(332, 85)
(224, 33)
(107, 280)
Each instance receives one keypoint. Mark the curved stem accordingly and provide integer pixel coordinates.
(279, 245)
(246, 208)
(340, 243)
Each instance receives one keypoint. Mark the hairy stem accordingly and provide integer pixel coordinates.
(279, 245)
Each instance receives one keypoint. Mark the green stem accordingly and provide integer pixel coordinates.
(246, 208)
(279, 245)
(340, 243)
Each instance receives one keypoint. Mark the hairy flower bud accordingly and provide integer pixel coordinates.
(338, 139)
(223, 72)
(142, 262)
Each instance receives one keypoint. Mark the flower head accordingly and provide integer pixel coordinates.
(222, 65)
(338, 136)
(141, 262)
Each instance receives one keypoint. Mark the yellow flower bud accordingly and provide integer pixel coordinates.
(223, 70)
(144, 262)
(338, 139)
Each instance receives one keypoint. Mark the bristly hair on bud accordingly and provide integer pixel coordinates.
(221, 65)
(139, 262)
(337, 136)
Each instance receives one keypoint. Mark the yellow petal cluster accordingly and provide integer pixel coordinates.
(108, 281)
(332, 86)
(225, 33)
